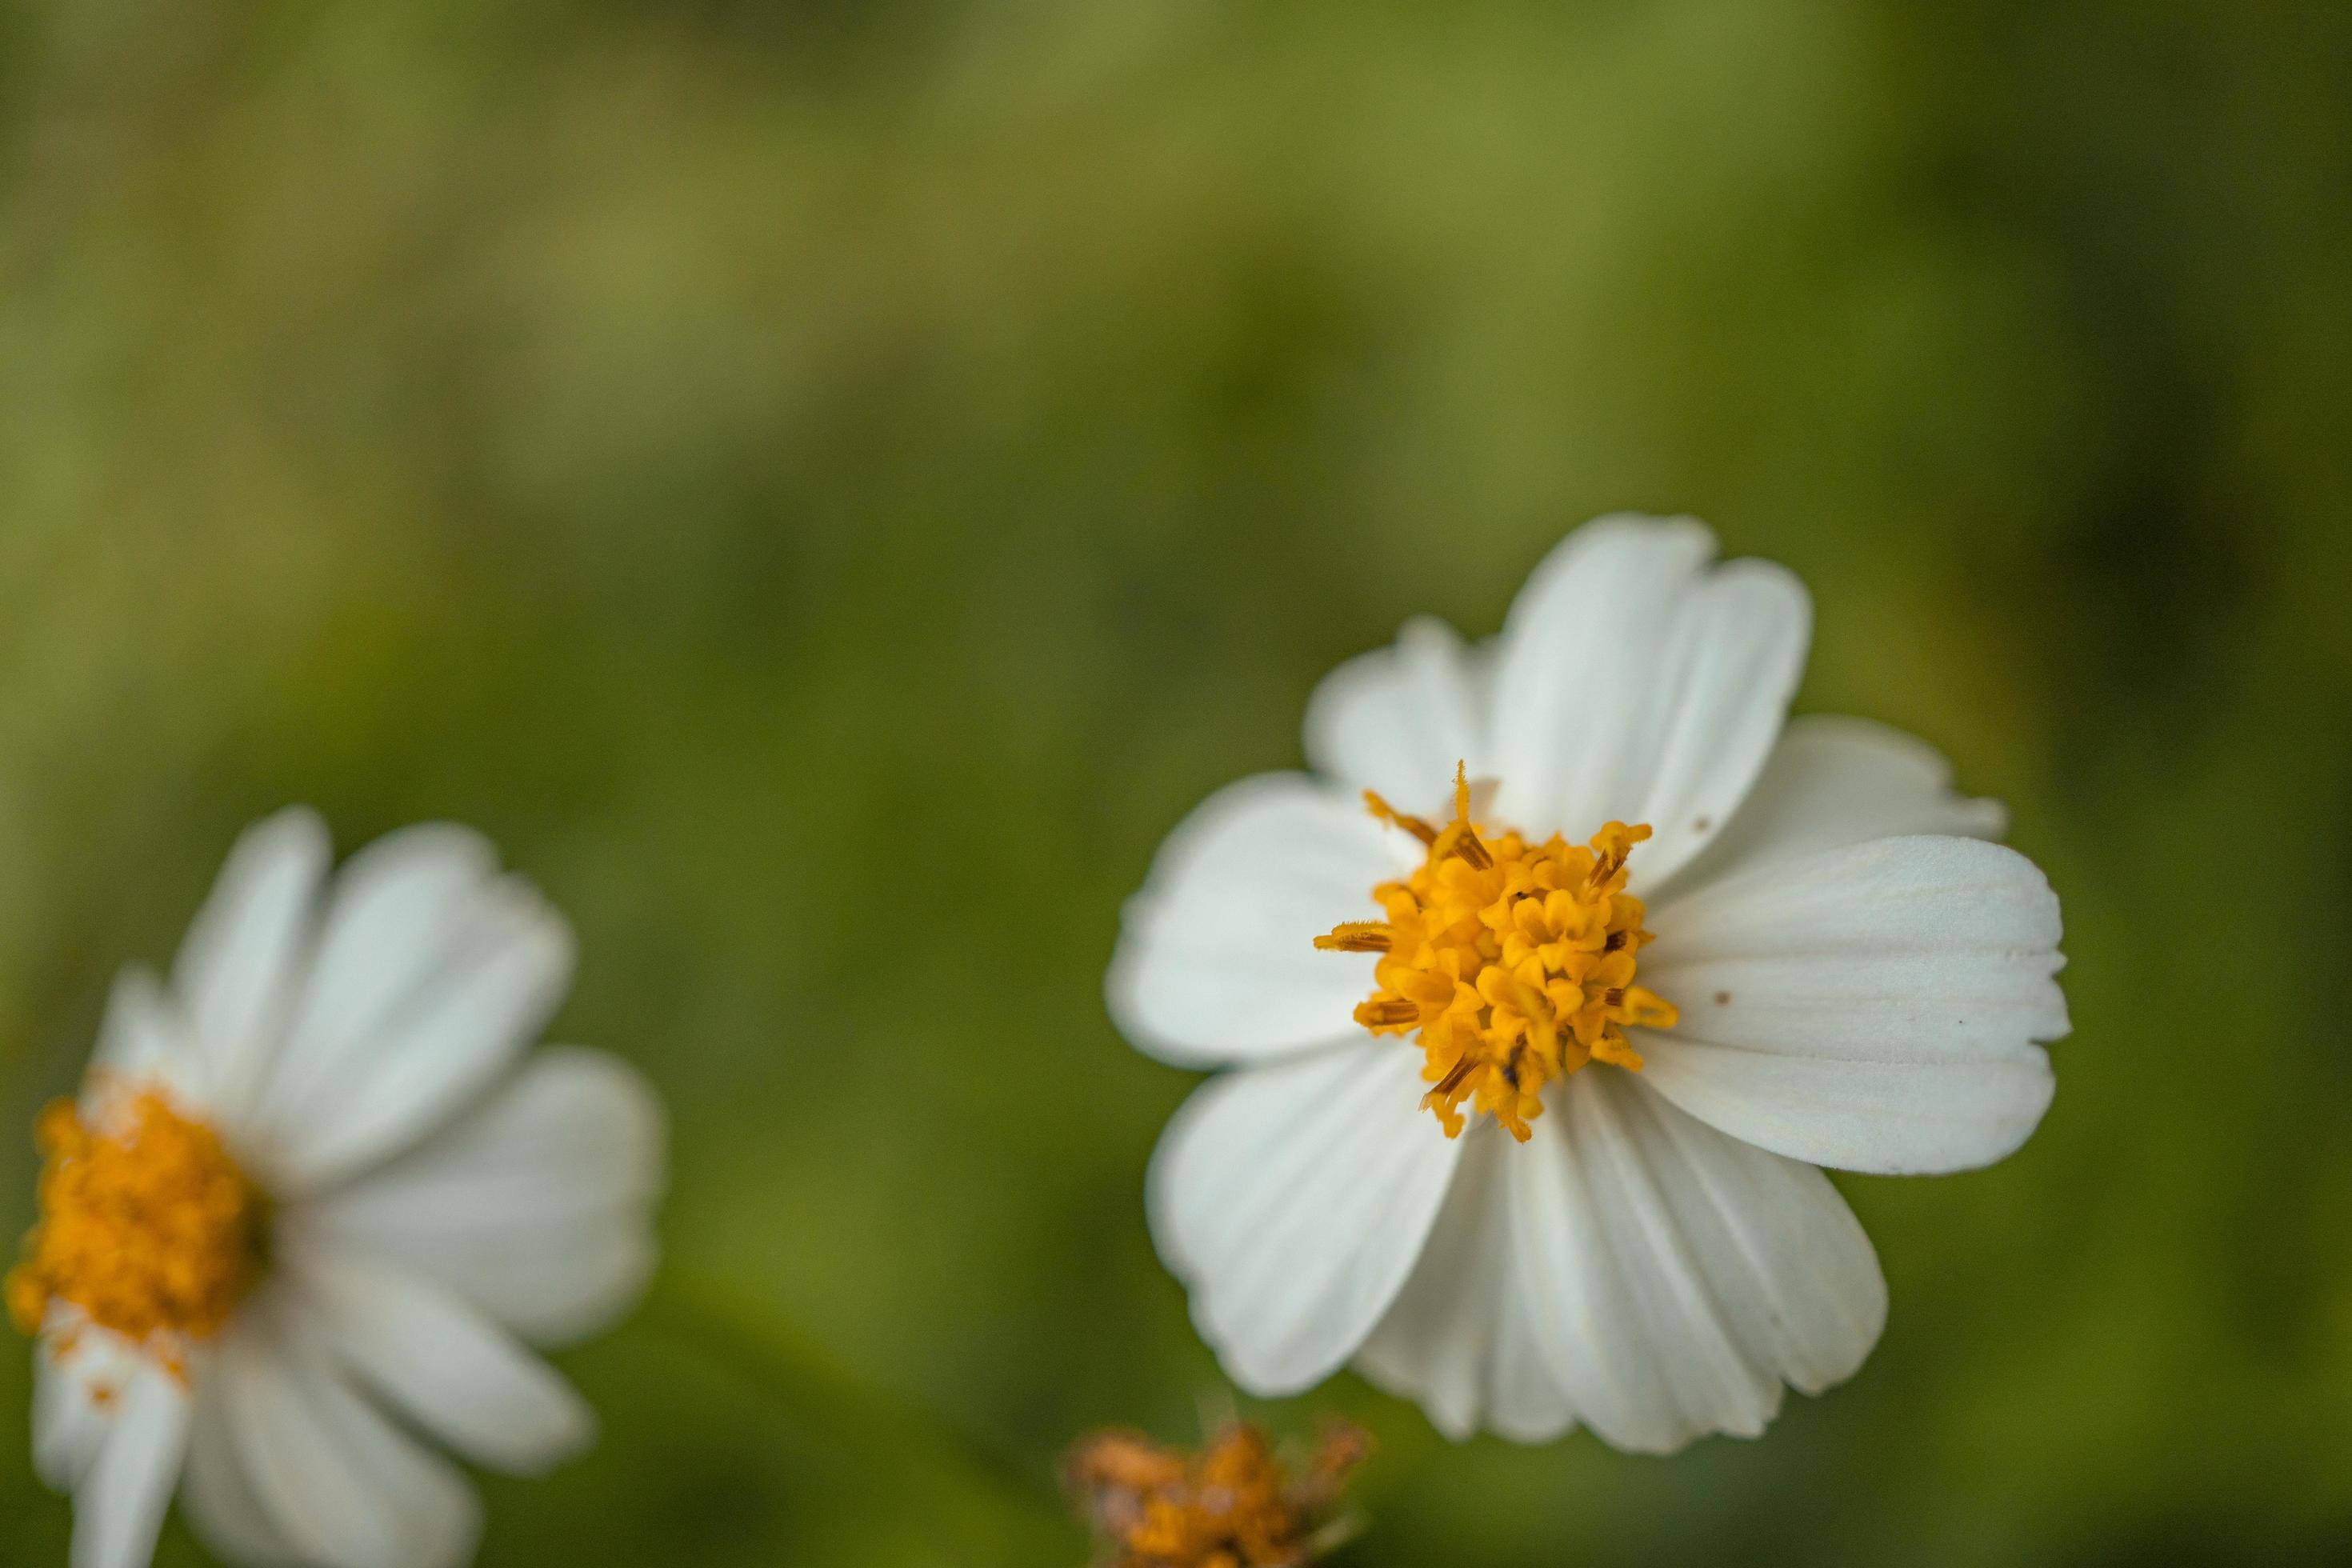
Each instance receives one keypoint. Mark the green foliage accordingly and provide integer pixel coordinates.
(826, 486)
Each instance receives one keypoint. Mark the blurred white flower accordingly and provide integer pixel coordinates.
(313, 1199)
(1835, 969)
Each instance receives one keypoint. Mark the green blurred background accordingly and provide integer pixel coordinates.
(826, 486)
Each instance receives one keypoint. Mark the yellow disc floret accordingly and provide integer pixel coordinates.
(147, 1225)
(1513, 962)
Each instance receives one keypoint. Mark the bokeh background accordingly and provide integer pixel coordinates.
(827, 486)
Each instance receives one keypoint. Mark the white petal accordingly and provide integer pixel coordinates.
(502, 963)
(218, 1494)
(1682, 1275)
(120, 1504)
(391, 932)
(342, 1485)
(239, 964)
(1217, 961)
(535, 1206)
(1874, 1007)
(68, 1427)
(143, 1040)
(80, 1372)
(1636, 685)
(1294, 1198)
(1398, 719)
(1832, 781)
(457, 1375)
(1461, 1339)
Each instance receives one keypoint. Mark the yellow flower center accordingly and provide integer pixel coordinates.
(146, 1225)
(1513, 962)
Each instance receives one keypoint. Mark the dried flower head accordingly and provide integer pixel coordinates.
(1235, 1504)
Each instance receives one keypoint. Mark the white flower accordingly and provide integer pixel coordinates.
(313, 1199)
(1633, 1234)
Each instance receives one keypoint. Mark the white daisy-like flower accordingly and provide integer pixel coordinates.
(312, 1201)
(1460, 1143)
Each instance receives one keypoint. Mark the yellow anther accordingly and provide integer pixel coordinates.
(146, 1226)
(1462, 842)
(1611, 847)
(1647, 1010)
(1414, 824)
(1513, 960)
(1460, 838)
(1358, 936)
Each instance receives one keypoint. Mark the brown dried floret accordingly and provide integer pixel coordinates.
(1235, 1504)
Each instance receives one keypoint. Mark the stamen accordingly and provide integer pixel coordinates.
(1449, 1083)
(1388, 1013)
(1465, 844)
(1614, 843)
(1465, 836)
(1359, 936)
(1395, 818)
(1647, 1010)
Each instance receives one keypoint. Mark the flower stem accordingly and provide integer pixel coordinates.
(928, 1466)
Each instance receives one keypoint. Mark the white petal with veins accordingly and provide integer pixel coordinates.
(1216, 960)
(1877, 1007)
(1294, 1198)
